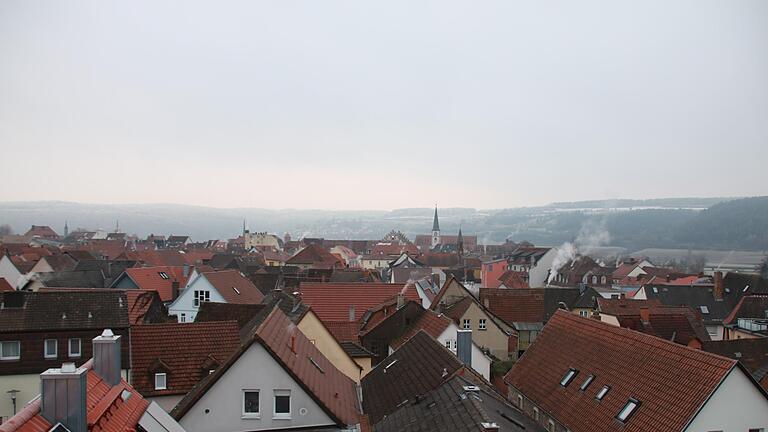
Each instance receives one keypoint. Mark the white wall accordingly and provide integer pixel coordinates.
(29, 387)
(737, 405)
(537, 276)
(10, 272)
(480, 362)
(255, 369)
(185, 302)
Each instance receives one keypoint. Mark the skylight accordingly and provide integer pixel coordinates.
(704, 309)
(163, 275)
(390, 365)
(314, 363)
(628, 410)
(603, 391)
(568, 377)
(236, 290)
(587, 382)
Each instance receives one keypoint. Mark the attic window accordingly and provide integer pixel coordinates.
(704, 309)
(587, 382)
(314, 363)
(568, 377)
(237, 291)
(656, 290)
(628, 410)
(163, 275)
(603, 391)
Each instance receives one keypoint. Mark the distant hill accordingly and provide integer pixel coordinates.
(704, 223)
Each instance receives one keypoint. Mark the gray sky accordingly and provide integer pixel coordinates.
(361, 105)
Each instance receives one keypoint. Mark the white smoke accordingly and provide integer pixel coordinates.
(592, 235)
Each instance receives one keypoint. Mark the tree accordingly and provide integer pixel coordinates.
(5, 230)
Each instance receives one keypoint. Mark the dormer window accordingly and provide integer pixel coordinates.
(568, 377)
(161, 381)
(603, 391)
(628, 410)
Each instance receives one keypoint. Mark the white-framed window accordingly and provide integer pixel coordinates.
(587, 382)
(628, 410)
(481, 324)
(448, 344)
(163, 275)
(161, 381)
(466, 324)
(183, 317)
(251, 404)
(568, 377)
(74, 347)
(10, 350)
(50, 348)
(201, 296)
(282, 404)
(584, 313)
(603, 391)
(712, 330)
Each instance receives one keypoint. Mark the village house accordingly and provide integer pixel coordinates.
(227, 286)
(533, 262)
(585, 375)
(314, 257)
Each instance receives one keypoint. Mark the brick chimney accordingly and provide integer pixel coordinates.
(717, 291)
(106, 357)
(645, 315)
(63, 396)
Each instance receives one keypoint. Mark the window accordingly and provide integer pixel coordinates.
(628, 410)
(568, 377)
(50, 348)
(584, 313)
(448, 344)
(183, 317)
(481, 324)
(201, 296)
(535, 413)
(712, 330)
(704, 309)
(466, 324)
(587, 382)
(603, 391)
(520, 401)
(251, 404)
(74, 347)
(161, 381)
(163, 275)
(10, 350)
(551, 426)
(282, 404)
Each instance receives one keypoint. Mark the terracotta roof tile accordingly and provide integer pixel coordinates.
(5, 286)
(429, 322)
(159, 278)
(332, 301)
(234, 287)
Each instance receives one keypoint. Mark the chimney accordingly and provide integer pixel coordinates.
(464, 346)
(400, 300)
(175, 289)
(185, 270)
(106, 357)
(351, 313)
(63, 395)
(645, 315)
(717, 291)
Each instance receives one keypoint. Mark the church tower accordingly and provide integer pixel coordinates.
(435, 230)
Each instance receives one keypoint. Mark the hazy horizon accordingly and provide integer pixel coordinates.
(359, 106)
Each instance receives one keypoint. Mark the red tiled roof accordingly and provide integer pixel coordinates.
(316, 256)
(150, 279)
(343, 331)
(432, 323)
(139, 304)
(679, 324)
(5, 286)
(394, 249)
(332, 301)
(513, 279)
(234, 287)
(515, 305)
(188, 350)
(671, 381)
(106, 409)
(625, 306)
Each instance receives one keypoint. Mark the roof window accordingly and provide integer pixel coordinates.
(237, 291)
(603, 391)
(568, 377)
(163, 275)
(704, 309)
(629, 409)
(587, 382)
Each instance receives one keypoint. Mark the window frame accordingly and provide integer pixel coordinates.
(587, 382)
(10, 358)
(251, 415)
(79, 348)
(466, 324)
(165, 380)
(55, 354)
(602, 392)
(281, 393)
(569, 376)
(482, 324)
(630, 408)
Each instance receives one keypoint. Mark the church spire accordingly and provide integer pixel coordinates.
(435, 230)
(435, 223)
(460, 242)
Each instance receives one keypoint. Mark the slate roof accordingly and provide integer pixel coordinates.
(587, 299)
(419, 366)
(150, 279)
(333, 391)
(452, 407)
(241, 313)
(671, 381)
(234, 287)
(331, 301)
(65, 310)
(185, 351)
(73, 279)
(61, 262)
(110, 268)
(696, 296)
(107, 411)
(355, 351)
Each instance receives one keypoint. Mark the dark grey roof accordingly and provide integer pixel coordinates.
(354, 350)
(457, 405)
(587, 299)
(73, 279)
(64, 310)
(696, 296)
(110, 268)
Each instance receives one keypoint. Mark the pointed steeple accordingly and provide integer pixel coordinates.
(435, 231)
(460, 242)
(435, 223)
(66, 229)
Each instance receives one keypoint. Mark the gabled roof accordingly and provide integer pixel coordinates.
(513, 279)
(355, 351)
(145, 307)
(5, 286)
(671, 381)
(241, 313)
(333, 391)
(61, 262)
(234, 287)
(624, 306)
(107, 408)
(751, 306)
(752, 353)
(696, 297)
(678, 324)
(457, 405)
(332, 301)
(314, 255)
(420, 365)
(62, 310)
(515, 305)
(41, 231)
(160, 279)
(432, 323)
(187, 351)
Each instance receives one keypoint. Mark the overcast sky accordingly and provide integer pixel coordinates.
(362, 105)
